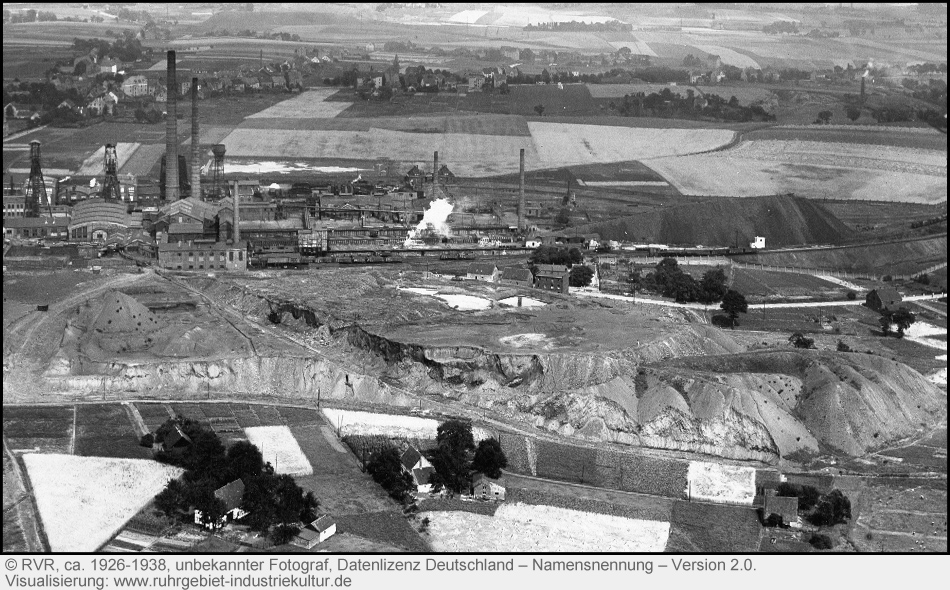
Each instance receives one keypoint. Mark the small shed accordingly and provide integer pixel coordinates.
(316, 532)
(484, 488)
(483, 271)
(883, 299)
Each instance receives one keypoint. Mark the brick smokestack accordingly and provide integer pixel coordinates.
(237, 215)
(171, 134)
(195, 144)
(521, 205)
(435, 170)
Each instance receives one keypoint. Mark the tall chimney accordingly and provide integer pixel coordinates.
(171, 134)
(195, 147)
(237, 215)
(521, 205)
(862, 87)
(435, 171)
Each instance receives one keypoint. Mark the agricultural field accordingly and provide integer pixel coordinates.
(346, 422)
(13, 537)
(811, 169)
(389, 528)
(713, 528)
(336, 479)
(729, 56)
(105, 430)
(280, 449)
(895, 516)
(715, 482)
(544, 529)
(308, 105)
(46, 429)
(926, 138)
(83, 501)
(302, 129)
(767, 284)
(95, 164)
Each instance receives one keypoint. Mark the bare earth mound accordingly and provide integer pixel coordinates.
(785, 219)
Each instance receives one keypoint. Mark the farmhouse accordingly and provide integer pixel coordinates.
(482, 271)
(784, 506)
(316, 532)
(176, 441)
(517, 277)
(883, 299)
(418, 468)
(231, 495)
(135, 86)
(552, 277)
(484, 488)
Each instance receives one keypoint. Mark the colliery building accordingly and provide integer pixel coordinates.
(99, 220)
(199, 255)
(40, 228)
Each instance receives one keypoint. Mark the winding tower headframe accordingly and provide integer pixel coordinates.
(110, 184)
(36, 187)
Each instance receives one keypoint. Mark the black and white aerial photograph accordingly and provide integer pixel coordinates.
(480, 280)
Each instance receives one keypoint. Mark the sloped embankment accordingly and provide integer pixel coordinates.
(785, 219)
(897, 258)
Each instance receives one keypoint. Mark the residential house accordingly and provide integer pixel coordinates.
(15, 110)
(517, 277)
(251, 83)
(415, 178)
(786, 507)
(231, 495)
(13, 205)
(552, 277)
(70, 106)
(483, 271)
(883, 299)
(90, 64)
(315, 532)
(135, 86)
(445, 175)
(160, 92)
(176, 441)
(418, 468)
(238, 85)
(475, 82)
(294, 79)
(484, 488)
(108, 65)
(532, 243)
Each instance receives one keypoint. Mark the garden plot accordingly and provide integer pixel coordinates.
(544, 529)
(280, 449)
(83, 501)
(309, 105)
(391, 425)
(721, 483)
(95, 164)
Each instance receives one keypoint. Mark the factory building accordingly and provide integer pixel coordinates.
(99, 220)
(40, 228)
(203, 255)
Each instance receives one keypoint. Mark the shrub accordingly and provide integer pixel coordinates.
(852, 295)
(283, 534)
(833, 508)
(799, 340)
(842, 347)
(147, 440)
(821, 542)
(775, 520)
(887, 278)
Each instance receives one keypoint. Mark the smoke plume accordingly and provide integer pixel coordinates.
(433, 221)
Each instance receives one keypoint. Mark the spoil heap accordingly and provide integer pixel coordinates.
(122, 313)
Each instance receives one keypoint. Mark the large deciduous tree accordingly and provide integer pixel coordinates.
(489, 458)
(734, 303)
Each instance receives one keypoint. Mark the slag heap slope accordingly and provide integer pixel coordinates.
(122, 313)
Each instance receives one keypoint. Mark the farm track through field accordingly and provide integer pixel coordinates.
(27, 513)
